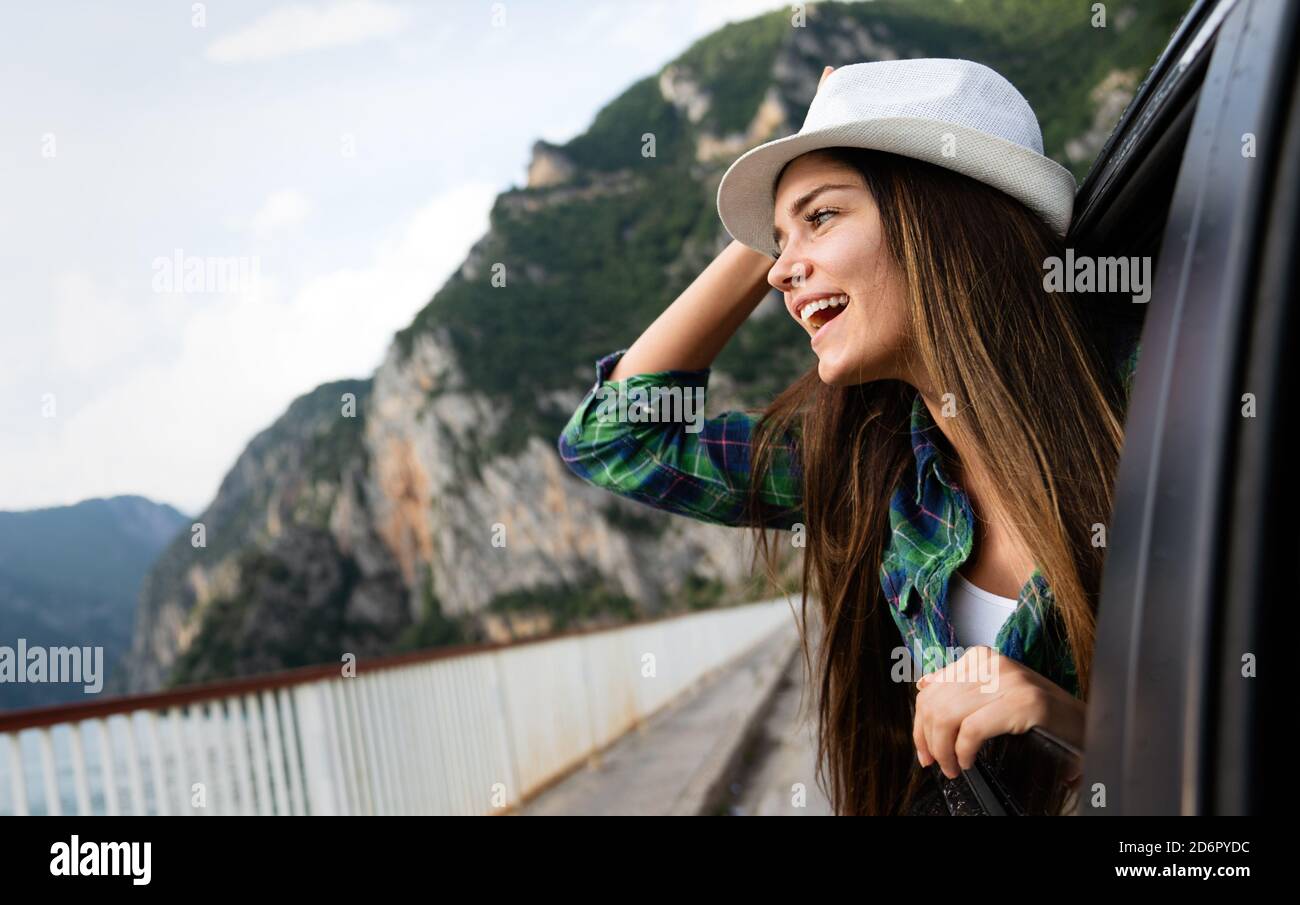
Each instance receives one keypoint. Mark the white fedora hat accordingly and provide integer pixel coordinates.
(952, 113)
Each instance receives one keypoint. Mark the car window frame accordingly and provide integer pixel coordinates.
(1151, 723)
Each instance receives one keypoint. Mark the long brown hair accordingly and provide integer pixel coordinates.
(1035, 399)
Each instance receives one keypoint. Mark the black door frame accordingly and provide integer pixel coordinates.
(1159, 668)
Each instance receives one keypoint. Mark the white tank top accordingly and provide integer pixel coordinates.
(976, 614)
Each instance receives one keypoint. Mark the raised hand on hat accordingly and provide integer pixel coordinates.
(825, 72)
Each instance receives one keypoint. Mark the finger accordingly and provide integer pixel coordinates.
(923, 755)
(980, 726)
(940, 729)
(825, 72)
(939, 710)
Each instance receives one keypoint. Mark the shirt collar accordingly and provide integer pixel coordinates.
(927, 458)
(924, 448)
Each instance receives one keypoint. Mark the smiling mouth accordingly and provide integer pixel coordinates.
(817, 314)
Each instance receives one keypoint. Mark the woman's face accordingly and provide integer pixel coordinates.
(832, 248)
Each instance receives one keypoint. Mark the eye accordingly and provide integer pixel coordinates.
(814, 215)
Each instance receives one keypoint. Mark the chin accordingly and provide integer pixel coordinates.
(838, 373)
(832, 374)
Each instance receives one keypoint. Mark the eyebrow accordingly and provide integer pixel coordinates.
(804, 199)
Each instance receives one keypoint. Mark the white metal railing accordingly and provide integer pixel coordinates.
(468, 733)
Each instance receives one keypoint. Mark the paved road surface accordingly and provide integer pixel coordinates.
(676, 762)
(782, 756)
(715, 749)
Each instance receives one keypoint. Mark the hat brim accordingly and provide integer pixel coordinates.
(747, 196)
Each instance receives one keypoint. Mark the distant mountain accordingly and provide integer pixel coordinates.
(442, 511)
(71, 576)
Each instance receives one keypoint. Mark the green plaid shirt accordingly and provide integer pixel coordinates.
(701, 468)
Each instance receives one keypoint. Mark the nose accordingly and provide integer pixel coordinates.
(790, 271)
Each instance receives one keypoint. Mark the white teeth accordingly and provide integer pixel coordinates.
(813, 307)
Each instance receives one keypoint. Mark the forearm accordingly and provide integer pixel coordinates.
(691, 331)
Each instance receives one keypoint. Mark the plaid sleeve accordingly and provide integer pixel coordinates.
(689, 465)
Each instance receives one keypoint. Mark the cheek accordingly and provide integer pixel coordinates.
(874, 344)
(881, 313)
(875, 339)
(885, 320)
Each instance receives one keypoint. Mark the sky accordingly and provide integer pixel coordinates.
(343, 155)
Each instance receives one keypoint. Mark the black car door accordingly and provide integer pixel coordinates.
(1203, 533)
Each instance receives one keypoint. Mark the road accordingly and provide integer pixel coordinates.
(733, 744)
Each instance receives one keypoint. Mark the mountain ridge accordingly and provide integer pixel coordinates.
(70, 576)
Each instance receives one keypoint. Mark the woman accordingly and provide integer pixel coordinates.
(949, 460)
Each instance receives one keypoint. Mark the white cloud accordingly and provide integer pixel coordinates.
(297, 29)
(92, 328)
(281, 210)
(171, 428)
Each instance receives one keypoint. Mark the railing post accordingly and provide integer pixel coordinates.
(419, 746)
(279, 785)
(108, 769)
(389, 714)
(215, 721)
(502, 709)
(195, 721)
(79, 781)
(183, 776)
(437, 759)
(53, 806)
(337, 711)
(368, 726)
(292, 752)
(161, 792)
(318, 751)
(239, 739)
(354, 706)
(134, 779)
(17, 780)
(261, 762)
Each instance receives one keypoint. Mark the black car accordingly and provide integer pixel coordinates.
(1202, 174)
